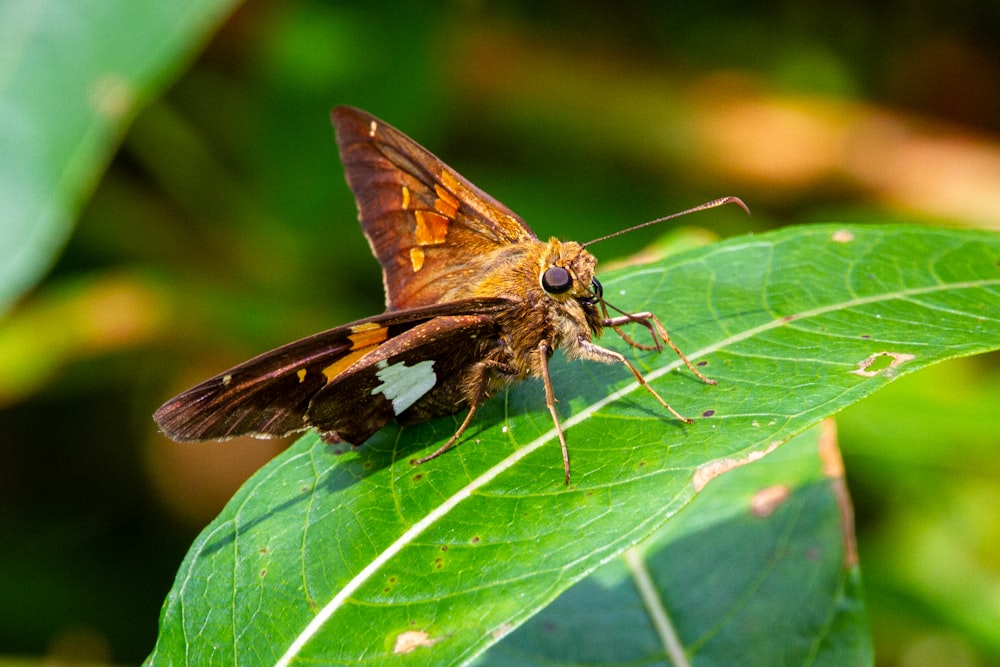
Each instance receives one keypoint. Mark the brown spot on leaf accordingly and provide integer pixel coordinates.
(709, 471)
(111, 96)
(829, 452)
(833, 469)
(411, 640)
(768, 499)
(502, 630)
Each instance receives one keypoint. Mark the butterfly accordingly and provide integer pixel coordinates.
(474, 302)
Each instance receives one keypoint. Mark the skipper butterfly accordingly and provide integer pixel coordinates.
(474, 302)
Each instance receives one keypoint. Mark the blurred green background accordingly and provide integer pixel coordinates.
(223, 227)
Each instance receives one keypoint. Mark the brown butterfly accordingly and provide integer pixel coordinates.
(475, 301)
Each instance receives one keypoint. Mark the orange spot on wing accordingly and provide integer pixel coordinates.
(340, 365)
(406, 198)
(366, 335)
(448, 181)
(301, 374)
(432, 228)
(417, 258)
(446, 203)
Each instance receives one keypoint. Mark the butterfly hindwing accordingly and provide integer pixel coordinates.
(428, 226)
(273, 394)
(415, 376)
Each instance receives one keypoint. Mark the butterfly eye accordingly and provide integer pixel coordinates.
(595, 285)
(556, 280)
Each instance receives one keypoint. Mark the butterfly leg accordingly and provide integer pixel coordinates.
(480, 382)
(616, 324)
(649, 320)
(544, 350)
(589, 350)
(453, 439)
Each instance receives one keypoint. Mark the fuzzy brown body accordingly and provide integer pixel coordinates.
(474, 301)
(507, 343)
(531, 317)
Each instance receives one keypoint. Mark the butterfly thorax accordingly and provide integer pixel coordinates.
(536, 314)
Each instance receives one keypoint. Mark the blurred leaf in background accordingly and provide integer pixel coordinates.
(223, 227)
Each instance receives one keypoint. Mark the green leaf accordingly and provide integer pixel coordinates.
(756, 570)
(338, 558)
(72, 74)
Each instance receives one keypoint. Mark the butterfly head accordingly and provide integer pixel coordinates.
(567, 272)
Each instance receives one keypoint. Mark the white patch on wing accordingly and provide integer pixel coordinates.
(404, 385)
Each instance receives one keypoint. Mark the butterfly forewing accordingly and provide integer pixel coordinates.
(424, 221)
(266, 396)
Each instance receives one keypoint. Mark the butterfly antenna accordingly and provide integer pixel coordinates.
(722, 201)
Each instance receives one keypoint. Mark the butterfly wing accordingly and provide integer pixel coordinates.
(428, 226)
(424, 373)
(346, 380)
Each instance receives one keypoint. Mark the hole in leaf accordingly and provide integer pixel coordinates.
(881, 363)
